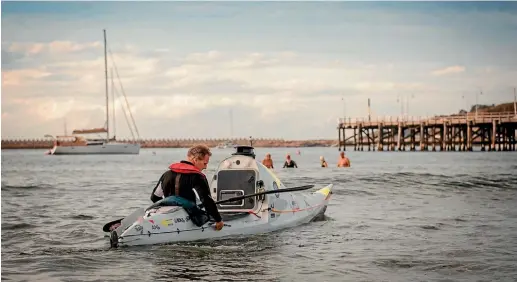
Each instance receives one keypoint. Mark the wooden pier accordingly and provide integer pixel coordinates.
(463, 132)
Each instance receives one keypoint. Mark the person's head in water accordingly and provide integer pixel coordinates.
(268, 156)
(323, 162)
(288, 157)
(342, 154)
(199, 155)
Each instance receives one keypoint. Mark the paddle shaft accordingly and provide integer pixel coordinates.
(292, 189)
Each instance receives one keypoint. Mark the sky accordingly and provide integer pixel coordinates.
(238, 69)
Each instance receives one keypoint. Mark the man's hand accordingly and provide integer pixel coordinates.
(219, 225)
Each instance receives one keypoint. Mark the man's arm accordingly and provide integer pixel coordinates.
(157, 193)
(203, 190)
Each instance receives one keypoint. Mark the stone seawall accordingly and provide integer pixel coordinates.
(180, 143)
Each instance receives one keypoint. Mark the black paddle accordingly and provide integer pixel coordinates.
(106, 227)
(292, 189)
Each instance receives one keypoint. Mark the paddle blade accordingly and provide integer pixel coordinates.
(106, 227)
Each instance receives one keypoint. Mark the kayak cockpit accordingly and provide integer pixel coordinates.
(235, 183)
(239, 175)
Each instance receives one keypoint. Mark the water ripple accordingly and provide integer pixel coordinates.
(393, 217)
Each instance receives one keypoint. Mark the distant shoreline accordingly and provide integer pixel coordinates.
(258, 142)
(185, 143)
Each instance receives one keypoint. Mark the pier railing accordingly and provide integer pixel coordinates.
(452, 119)
(491, 131)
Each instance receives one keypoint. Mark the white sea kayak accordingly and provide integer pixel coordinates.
(235, 181)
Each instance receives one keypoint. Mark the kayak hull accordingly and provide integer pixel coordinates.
(250, 198)
(172, 224)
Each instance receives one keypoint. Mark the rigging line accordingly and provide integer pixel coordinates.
(125, 97)
(124, 93)
(113, 104)
(125, 115)
(107, 93)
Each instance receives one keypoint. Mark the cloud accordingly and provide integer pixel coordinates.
(388, 86)
(274, 86)
(54, 47)
(269, 84)
(267, 62)
(448, 70)
(19, 77)
(203, 58)
(36, 117)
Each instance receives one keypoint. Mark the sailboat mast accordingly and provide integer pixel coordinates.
(106, 76)
(113, 104)
(231, 124)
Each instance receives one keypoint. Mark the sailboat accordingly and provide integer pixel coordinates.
(80, 145)
(228, 143)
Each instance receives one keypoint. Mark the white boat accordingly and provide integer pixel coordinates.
(234, 187)
(81, 145)
(226, 145)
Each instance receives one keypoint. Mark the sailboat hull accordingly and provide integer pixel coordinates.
(98, 149)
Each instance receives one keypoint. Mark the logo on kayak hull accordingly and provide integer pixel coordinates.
(275, 187)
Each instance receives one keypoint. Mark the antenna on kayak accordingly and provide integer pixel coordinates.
(244, 151)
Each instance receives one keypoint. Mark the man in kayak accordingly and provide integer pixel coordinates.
(182, 178)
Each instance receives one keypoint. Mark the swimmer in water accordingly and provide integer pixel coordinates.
(289, 162)
(323, 162)
(267, 161)
(343, 160)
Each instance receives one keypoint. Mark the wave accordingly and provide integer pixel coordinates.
(26, 187)
(82, 217)
(430, 180)
(17, 226)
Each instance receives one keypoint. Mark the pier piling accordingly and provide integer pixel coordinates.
(487, 131)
